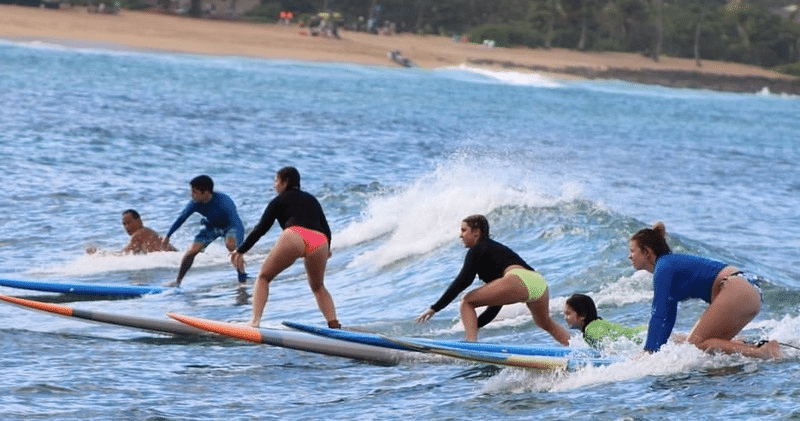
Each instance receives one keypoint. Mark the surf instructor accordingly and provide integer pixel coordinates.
(305, 234)
(221, 220)
(508, 280)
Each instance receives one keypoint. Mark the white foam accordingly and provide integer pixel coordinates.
(427, 214)
(514, 77)
(105, 262)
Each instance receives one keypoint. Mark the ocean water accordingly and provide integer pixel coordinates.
(564, 171)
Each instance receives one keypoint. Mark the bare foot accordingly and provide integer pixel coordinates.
(172, 284)
(771, 350)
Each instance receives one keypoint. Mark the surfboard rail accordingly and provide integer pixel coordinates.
(137, 322)
(382, 340)
(300, 341)
(82, 289)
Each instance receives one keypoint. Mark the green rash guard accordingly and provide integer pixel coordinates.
(600, 330)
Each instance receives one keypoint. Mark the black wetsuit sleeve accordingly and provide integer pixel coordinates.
(488, 315)
(462, 281)
(326, 229)
(267, 219)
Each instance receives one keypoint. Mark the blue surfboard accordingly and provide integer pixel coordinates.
(81, 289)
(380, 340)
(507, 359)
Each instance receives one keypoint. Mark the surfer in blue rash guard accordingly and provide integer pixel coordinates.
(508, 280)
(221, 220)
(305, 234)
(733, 297)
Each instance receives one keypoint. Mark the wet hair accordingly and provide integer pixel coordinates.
(653, 238)
(479, 222)
(584, 307)
(133, 213)
(202, 183)
(291, 176)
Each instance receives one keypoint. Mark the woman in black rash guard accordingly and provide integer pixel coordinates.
(508, 280)
(305, 234)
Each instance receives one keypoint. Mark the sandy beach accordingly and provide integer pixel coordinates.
(156, 32)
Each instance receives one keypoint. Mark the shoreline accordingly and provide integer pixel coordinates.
(154, 32)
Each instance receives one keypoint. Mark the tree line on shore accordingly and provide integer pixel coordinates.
(764, 33)
(744, 31)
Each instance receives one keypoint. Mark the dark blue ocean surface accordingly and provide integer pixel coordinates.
(565, 172)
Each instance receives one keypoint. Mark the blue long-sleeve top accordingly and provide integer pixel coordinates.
(677, 277)
(291, 208)
(219, 212)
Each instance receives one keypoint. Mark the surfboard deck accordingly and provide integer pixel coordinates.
(381, 340)
(531, 362)
(81, 289)
(143, 323)
(300, 341)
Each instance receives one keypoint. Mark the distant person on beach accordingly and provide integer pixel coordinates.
(305, 234)
(220, 220)
(508, 280)
(143, 239)
(580, 312)
(733, 297)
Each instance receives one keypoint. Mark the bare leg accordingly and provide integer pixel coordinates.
(506, 290)
(733, 308)
(230, 243)
(315, 268)
(540, 310)
(186, 263)
(285, 251)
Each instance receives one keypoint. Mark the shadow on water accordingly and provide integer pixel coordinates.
(479, 372)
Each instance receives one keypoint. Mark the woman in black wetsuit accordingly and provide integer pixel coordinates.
(305, 234)
(508, 280)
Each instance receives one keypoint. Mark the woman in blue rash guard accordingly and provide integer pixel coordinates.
(508, 280)
(734, 299)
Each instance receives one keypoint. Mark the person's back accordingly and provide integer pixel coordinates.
(599, 331)
(146, 240)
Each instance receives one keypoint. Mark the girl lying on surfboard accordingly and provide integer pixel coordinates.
(581, 313)
(508, 280)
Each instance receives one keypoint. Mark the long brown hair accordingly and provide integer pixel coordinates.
(583, 305)
(653, 238)
(291, 176)
(479, 222)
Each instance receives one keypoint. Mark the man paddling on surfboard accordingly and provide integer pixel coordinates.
(143, 239)
(221, 220)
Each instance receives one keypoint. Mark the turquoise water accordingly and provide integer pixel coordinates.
(565, 172)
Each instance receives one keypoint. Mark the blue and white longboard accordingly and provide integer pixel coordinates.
(380, 340)
(81, 289)
(507, 359)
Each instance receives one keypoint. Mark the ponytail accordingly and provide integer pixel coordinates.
(654, 239)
